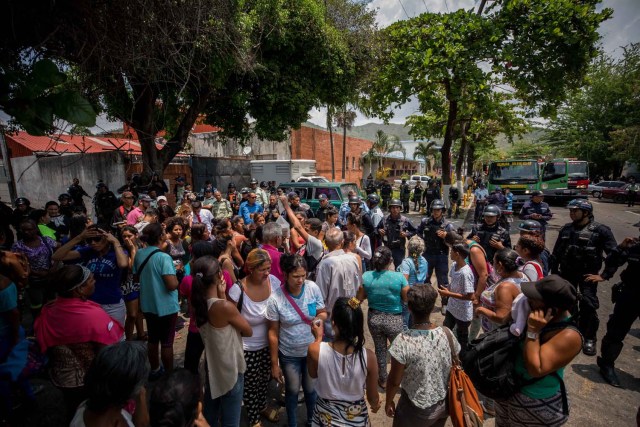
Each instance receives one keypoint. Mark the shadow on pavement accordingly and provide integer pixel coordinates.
(592, 373)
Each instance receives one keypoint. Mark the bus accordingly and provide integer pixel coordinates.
(520, 176)
(562, 180)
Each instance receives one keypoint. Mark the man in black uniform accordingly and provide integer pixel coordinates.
(430, 194)
(66, 207)
(105, 204)
(321, 212)
(405, 195)
(385, 192)
(490, 235)
(626, 297)
(578, 253)
(454, 199)
(537, 210)
(394, 231)
(6, 214)
(76, 192)
(371, 185)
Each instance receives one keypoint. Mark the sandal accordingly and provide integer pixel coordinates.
(382, 385)
(271, 414)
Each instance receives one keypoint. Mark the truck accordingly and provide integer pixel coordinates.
(282, 170)
(520, 176)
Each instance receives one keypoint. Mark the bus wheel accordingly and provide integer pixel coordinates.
(597, 194)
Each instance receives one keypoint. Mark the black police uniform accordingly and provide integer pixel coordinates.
(405, 195)
(485, 233)
(105, 203)
(627, 301)
(577, 252)
(430, 194)
(385, 194)
(541, 208)
(6, 214)
(454, 198)
(436, 252)
(77, 193)
(392, 239)
(321, 212)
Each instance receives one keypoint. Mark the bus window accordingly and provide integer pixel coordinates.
(513, 170)
(554, 170)
(578, 170)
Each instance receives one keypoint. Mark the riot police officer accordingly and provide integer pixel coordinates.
(433, 229)
(405, 195)
(385, 193)
(454, 201)
(431, 193)
(394, 230)
(537, 210)
(490, 234)
(626, 297)
(578, 253)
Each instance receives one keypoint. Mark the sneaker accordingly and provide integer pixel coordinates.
(157, 374)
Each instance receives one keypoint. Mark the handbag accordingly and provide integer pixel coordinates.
(465, 409)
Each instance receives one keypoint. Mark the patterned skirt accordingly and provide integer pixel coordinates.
(340, 413)
(523, 411)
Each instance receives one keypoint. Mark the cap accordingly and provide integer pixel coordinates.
(263, 184)
(22, 201)
(101, 185)
(208, 190)
(179, 179)
(64, 196)
(322, 197)
(145, 199)
(161, 198)
(231, 185)
(553, 290)
(535, 193)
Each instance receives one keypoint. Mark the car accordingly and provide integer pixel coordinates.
(423, 179)
(336, 192)
(596, 189)
(618, 194)
(312, 179)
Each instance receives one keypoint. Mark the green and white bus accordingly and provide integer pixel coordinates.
(520, 176)
(563, 180)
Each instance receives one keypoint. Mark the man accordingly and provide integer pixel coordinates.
(417, 197)
(490, 234)
(161, 201)
(6, 234)
(385, 193)
(532, 227)
(578, 252)
(372, 218)
(313, 250)
(201, 216)
(405, 195)
(354, 208)
(130, 185)
(179, 189)
(59, 222)
(296, 206)
(150, 217)
(153, 196)
(481, 194)
(394, 231)
(321, 212)
(497, 198)
(537, 210)
(221, 208)
(208, 199)
(371, 185)
(77, 193)
(244, 196)
(272, 210)
(66, 207)
(345, 207)
(137, 213)
(271, 241)
(233, 197)
(20, 213)
(120, 213)
(433, 230)
(261, 196)
(250, 207)
(430, 194)
(632, 191)
(105, 203)
(338, 274)
(454, 200)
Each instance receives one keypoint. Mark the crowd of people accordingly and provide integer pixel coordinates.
(274, 291)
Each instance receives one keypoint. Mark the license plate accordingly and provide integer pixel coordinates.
(566, 191)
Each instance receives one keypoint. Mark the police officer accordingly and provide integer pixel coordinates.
(371, 185)
(454, 199)
(533, 228)
(578, 253)
(490, 234)
(77, 192)
(626, 297)
(430, 194)
(233, 197)
(394, 231)
(433, 230)
(321, 212)
(385, 193)
(536, 209)
(261, 196)
(66, 208)
(21, 212)
(405, 195)
(105, 203)
(371, 219)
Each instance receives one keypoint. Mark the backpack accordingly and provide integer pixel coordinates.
(537, 267)
(312, 263)
(490, 363)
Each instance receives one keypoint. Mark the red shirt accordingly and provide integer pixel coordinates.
(275, 261)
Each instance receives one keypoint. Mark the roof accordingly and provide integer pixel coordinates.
(202, 128)
(397, 155)
(70, 144)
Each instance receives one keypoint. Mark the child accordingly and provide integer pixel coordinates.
(460, 293)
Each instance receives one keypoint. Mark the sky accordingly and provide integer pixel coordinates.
(621, 29)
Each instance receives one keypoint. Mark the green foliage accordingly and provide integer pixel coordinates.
(385, 144)
(427, 152)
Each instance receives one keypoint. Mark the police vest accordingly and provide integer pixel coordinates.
(392, 229)
(434, 245)
(578, 250)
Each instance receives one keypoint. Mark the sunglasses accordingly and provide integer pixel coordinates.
(96, 239)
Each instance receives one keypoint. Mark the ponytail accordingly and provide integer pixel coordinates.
(205, 272)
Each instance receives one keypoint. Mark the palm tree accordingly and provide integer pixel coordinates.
(385, 144)
(345, 119)
(369, 156)
(425, 150)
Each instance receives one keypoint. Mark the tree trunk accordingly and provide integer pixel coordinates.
(344, 143)
(330, 126)
(464, 143)
(471, 158)
(448, 135)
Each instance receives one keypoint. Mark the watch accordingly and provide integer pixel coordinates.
(532, 335)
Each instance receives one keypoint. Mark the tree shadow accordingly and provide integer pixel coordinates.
(592, 373)
(635, 332)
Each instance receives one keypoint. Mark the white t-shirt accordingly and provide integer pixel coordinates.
(529, 270)
(462, 282)
(314, 247)
(254, 313)
(78, 418)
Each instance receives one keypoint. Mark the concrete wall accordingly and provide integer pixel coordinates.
(220, 172)
(43, 179)
(212, 145)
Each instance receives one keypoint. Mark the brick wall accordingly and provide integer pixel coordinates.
(310, 143)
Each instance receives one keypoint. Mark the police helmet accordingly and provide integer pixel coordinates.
(536, 193)
(263, 184)
(64, 196)
(395, 202)
(492, 210)
(253, 181)
(530, 225)
(437, 204)
(354, 200)
(22, 201)
(584, 205)
(231, 185)
(373, 198)
(244, 190)
(101, 185)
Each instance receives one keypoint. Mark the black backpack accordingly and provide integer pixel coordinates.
(490, 363)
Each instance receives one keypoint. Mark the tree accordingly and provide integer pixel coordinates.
(370, 156)
(162, 66)
(538, 50)
(385, 144)
(426, 151)
(345, 119)
(330, 112)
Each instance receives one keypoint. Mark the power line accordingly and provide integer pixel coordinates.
(405, 10)
(446, 3)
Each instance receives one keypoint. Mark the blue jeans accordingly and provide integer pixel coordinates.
(226, 408)
(407, 322)
(295, 374)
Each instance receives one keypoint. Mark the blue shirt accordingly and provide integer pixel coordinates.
(384, 290)
(154, 296)
(106, 272)
(481, 193)
(345, 209)
(408, 267)
(246, 210)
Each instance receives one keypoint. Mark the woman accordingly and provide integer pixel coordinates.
(71, 330)
(116, 376)
(106, 258)
(349, 247)
(78, 223)
(290, 311)
(38, 251)
(414, 268)
(158, 298)
(344, 369)
(251, 295)
(164, 213)
(237, 230)
(330, 221)
(421, 362)
(529, 248)
(131, 288)
(41, 217)
(221, 327)
(385, 290)
(158, 185)
(185, 212)
(175, 245)
(176, 401)
(225, 248)
(495, 309)
(362, 242)
(552, 343)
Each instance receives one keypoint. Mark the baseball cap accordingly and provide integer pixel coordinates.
(553, 290)
(146, 199)
(161, 198)
(322, 197)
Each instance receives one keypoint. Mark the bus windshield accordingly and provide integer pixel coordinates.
(578, 170)
(520, 170)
